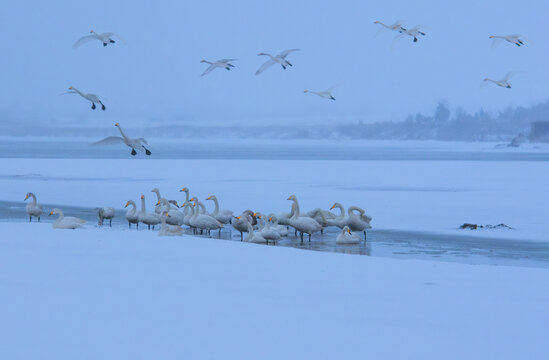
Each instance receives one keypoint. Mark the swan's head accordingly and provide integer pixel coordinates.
(257, 215)
(203, 61)
(173, 202)
(193, 199)
(211, 197)
(377, 22)
(117, 124)
(239, 217)
(292, 197)
(261, 53)
(334, 206)
(142, 197)
(491, 37)
(54, 211)
(155, 190)
(158, 203)
(486, 79)
(306, 91)
(184, 189)
(70, 87)
(127, 204)
(346, 229)
(165, 213)
(27, 196)
(91, 31)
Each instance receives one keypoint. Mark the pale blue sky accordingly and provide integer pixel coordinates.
(157, 74)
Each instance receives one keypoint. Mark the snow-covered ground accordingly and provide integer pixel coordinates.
(107, 294)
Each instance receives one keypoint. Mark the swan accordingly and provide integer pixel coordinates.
(175, 217)
(223, 216)
(347, 237)
(397, 26)
(187, 212)
(68, 222)
(204, 221)
(254, 237)
(186, 191)
(134, 144)
(105, 38)
(323, 217)
(305, 225)
(169, 230)
(90, 97)
(223, 63)
(341, 220)
(105, 213)
(131, 215)
(513, 39)
(159, 208)
(326, 94)
(149, 219)
(360, 222)
(503, 82)
(240, 222)
(279, 59)
(33, 209)
(282, 230)
(413, 32)
(268, 233)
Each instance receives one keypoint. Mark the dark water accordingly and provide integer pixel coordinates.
(380, 243)
(185, 149)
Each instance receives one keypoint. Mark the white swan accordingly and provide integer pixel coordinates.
(159, 208)
(131, 215)
(360, 222)
(223, 216)
(68, 222)
(186, 191)
(239, 223)
(513, 39)
(305, 225)
(149, 219)
(105, 38)
(279, 59)
(347, 237)
(105, 213)
(175, 217)
(397, 26)
(341, 220)
(223, 63)
(204, 221)
(33, 209)
(254, 237)
(134, 144)
(503, 82)
(169, 230)
(281, 229)
(326, 94)
(90, 97)
(265, 229)
(414, 32)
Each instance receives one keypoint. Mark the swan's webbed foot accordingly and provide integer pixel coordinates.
(147, 151)
(104, 44)
(284, 67)
(111, 41)
(134, 152)
(415, 39)
(103, 107)
(332, 98)
(289, 63)
(228, 68)
(520, 42)
(93, 106)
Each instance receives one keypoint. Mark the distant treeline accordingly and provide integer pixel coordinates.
(441, 125)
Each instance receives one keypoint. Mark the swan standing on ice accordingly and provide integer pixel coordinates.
(358, 222)
(132, 215)
(347, 237)
(305, 225)
(204, 221)
(397, 26)
(105, 38)
(513, 39)
(159, 208)
(503, 82)
(326, 94)
(223, 216)
(105, 213)
(169, 230)
(149, 219)
(279, 59)
(68, 222)
(223, 63)
(240, 222)
(90, 97)
(134, 144)
(33, 209)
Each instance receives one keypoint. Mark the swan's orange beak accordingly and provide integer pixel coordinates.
(142, 196)
(158, 202)
(333, 206)
(117, 124)
(26, 197)
(70, 87)
(349, 231)
(238, 217)
(491, 37)
(271, 218)
(51, 213)
(194, 199)
(127, 204)
(184, 189)
(289, 198)
(209, 198)
(91, 31)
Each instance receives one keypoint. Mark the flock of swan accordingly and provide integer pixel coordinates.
(260, 228)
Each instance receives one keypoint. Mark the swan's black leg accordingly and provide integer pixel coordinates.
(93, 106)
(309, 237)
(39, 219)
(289, 63)
(241, 236)
(104, 44)
(102, 106)
(111, 41)
(322, 231)
(149, 226)
(415, 39)
(129, 225)
(30, 218)
(147, 151)
(137, 226)
(284, 67)
(364, 235)
(228, 68)
(133, 152)
(110, 222)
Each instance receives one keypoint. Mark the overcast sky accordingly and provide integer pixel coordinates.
(156, 75)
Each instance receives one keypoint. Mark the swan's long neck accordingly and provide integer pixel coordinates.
(33, 201)
(202, 207)
(186, 210)
(123, 135)
(163, 222)
(143, 210)
(342, 211)
(60, 218)
(157, 192)
(297, 212)
(250, 230)
(186, 195)
(269, 55)
(355, 208)
(262, 223)
(133, 206)
(216, 210)
(78, 91)
(195, 211)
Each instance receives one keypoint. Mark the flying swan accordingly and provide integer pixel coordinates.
(503, 82)
(223, 63)
(518, 40)
(279, 59)
(326, 94)
(105, 38)
(90, 97)
(134, 144)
